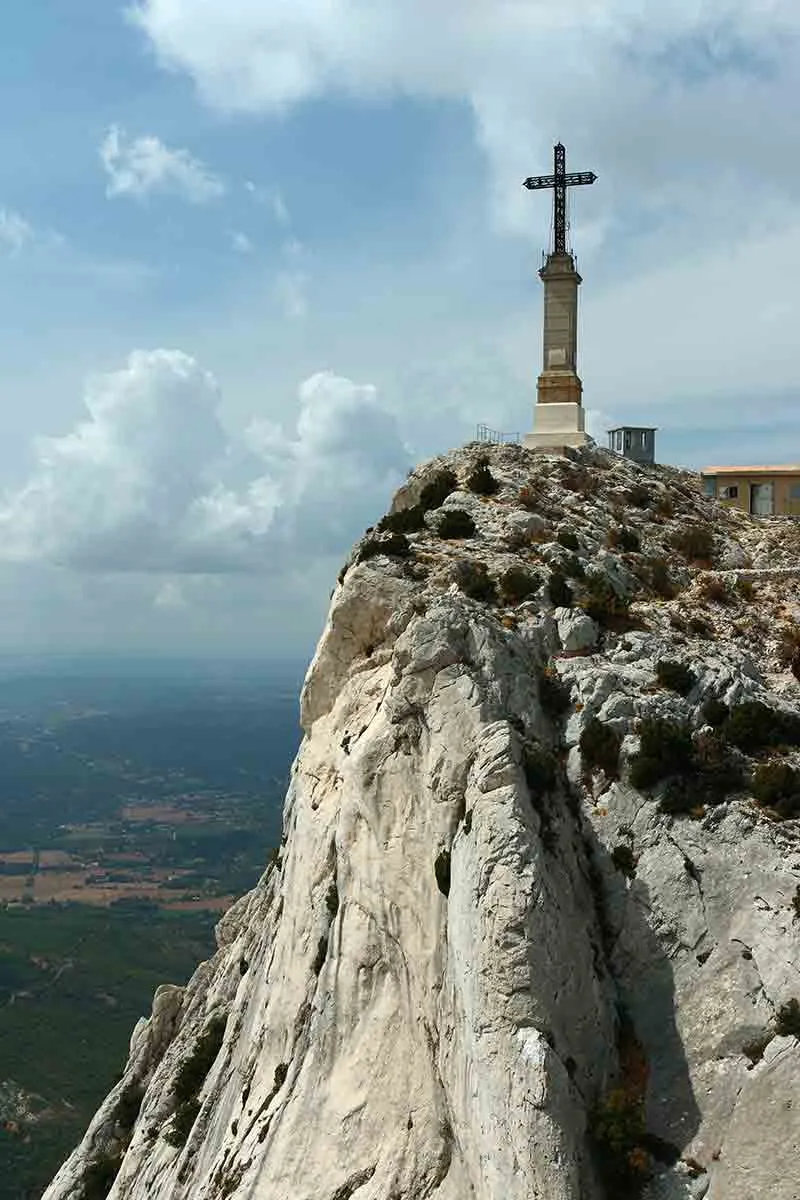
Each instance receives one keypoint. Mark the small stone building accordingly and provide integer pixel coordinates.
(762, 491)
(634, 441)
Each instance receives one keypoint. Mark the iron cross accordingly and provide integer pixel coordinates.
(559, 181)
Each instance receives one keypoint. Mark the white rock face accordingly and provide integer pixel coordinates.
(474, 942)
(577, 631)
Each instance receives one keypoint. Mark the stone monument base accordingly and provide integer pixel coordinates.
(555, 426)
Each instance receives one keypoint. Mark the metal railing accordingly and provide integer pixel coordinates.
(495, 437)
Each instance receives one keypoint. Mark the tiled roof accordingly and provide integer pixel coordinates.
(785, 469)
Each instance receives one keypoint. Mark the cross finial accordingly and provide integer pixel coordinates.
(559, 181)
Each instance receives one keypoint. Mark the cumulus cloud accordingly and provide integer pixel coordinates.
(140, 166)
(241, 243)
(291, 282)
(292, 290)
(149, 481)
(15, 231)
(684, 108)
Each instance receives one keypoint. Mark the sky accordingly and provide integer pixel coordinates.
(260, 257)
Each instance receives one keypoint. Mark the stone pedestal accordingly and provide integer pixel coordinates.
(558, 418)
(556, 425)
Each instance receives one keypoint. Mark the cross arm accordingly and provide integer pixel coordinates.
(574, 179)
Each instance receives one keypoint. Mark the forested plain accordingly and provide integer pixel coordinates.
(134, 806)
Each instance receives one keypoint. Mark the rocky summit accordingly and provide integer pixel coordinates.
(533, 929)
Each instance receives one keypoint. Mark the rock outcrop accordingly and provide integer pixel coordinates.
(533, 930)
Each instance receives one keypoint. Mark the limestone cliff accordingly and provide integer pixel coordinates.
(533, 931)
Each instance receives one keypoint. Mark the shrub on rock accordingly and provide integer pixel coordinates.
(455, 523)
(639, 496)
(394, 545)
(99, 1176)
(776, 785)
(718, 770)
(441, 869)
(480, 480)
(659, 578)
(553, 693)
(529, 497)
(622, 538)
(568, 539)
(665, 748)
(598, 598)
(559, 591)
(600, 746)
(714, 712)
(789, 648)
(190, 1078)
(473, 579)
(695, 543)
(754, 726)
(539, 766)
(517, 584)
(676, 676)
(624, 859)
(437, 489)
(405, 520)
(714, 590)
(787, 1019)
(617, 1131)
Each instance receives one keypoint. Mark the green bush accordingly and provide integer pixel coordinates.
(695, 543)
(577, 479)
(754, 1049)
(714, 712)
(713, 776)
(182, 1123)
(396, 545)
(190, 1078)
(437, 489)
(753, 726)
(676, 676)
(573, 567)
(746, 589)
(517, 584)
(128, 1105)
(659, 578)
(554, 695)
(789, 648)
(481, 480)
(406, 520)
(529, 497)
(474, 580)
(600, 746)
(715, 591)
(568, 539)
(539, 766)
(638, 495)
(665, 749)
(99, 1176)
(679, 796)
(718, 772)
(441, 869)
(787, 1019)
(623, 538)
(776, 785)
(617, 1132)
(559, 591)
(624, 859)
(455, 523)
(600, 601)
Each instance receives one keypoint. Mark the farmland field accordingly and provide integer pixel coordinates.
(134, 807)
